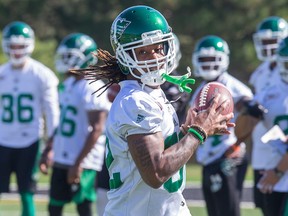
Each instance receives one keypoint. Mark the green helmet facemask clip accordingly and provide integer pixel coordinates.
(181, 81)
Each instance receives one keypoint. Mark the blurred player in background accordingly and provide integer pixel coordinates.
(178, 99)
(274, 176)
(28, 91)
(269, 33)
(146, 151)
(78, 144)
(222, 156)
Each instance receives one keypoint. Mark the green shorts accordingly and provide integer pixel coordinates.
(61, 192)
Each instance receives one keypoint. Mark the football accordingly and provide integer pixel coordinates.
(208, 92)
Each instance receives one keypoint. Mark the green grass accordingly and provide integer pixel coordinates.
(193, 175)
(12, 207)
(201, 211)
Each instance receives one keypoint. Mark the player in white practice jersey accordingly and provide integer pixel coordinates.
(274, 181)
(269, 33)
(79, 139)
(28, 91)
(146, 153)
(223, 157)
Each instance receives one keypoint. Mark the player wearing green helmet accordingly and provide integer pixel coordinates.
(79, 143)
(210, 57)
(18, 42)
(146, 151)
(75, 51)
(268, 34)
(28, 92)
(272, 182)
(127, 35)
(222, 157)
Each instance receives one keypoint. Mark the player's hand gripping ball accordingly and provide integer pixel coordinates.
(208, 92)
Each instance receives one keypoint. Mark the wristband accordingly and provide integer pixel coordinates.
(196, 134)
(200, 130)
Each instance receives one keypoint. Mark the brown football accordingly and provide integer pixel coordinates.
(208, 92)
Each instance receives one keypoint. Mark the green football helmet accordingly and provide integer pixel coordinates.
(140, 26)
(282, 59)
(18, 42)
(75, 51)
(210, 57)
(268, 35)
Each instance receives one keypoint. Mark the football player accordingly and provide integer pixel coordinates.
(274, 180)
(269, 33)
(78, 144)
(222, 157)
(146, 151)
(28, 90)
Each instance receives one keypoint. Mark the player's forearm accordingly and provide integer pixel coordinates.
(155, 164)
(52, 112)
(176, 156)
(97, 121)
(89, 144)
(49, 143)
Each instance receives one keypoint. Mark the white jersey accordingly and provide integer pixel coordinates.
(76, 99)
(275, 99)
(215, 146)
(25, 96)
(137, 111)
(263, 77)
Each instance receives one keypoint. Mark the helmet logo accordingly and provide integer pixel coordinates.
(119, 27)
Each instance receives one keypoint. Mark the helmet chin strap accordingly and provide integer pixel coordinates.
(181, 81)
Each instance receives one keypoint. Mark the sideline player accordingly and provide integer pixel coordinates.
(223, 157)
(28, 90)
(80, 132)
(267, 37)
(274, 178)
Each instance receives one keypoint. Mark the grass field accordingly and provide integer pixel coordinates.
(12, 207)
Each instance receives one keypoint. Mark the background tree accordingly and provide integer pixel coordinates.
(234, 21)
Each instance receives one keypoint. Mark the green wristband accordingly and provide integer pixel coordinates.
(196, 134)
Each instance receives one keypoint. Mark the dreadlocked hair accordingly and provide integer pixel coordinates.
(110, 72)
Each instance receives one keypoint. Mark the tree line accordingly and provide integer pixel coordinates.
(234, 21)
